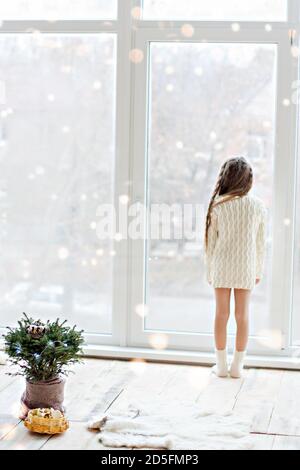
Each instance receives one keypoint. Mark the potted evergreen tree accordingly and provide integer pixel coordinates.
(43, 353)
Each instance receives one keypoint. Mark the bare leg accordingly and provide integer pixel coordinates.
(222, 316)
(242, 300)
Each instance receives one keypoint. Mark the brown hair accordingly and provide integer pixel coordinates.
(235, 180)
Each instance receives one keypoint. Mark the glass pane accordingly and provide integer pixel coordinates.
(226, 10)
(296, 316)
(207, 102)
(57, 161)
(58, 9)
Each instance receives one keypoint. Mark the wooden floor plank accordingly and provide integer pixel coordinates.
(262, 442)
(258, 397)
(5, 379)
(96, 392)
(285, 419)
(90, 386)
(147, 381)
(220, 395)
(122, 376)
(186, 383)
(271, 398)
(83, 392)
(76, 438)
(286, 443)
(19, 438)
(10, 406)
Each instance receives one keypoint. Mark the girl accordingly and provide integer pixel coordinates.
(235, 246)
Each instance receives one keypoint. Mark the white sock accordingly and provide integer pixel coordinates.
(237, 365)
(221, 368)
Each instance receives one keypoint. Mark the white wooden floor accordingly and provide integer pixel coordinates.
(271, 397)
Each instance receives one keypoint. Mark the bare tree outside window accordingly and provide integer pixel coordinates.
(208, 102)
(57, 161)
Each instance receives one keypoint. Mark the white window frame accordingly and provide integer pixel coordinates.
(131, 113)
(122, 28)
(284, 176)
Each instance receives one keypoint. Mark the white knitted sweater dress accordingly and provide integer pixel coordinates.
(236, 243)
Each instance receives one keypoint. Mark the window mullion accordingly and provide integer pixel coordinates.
(122, 169)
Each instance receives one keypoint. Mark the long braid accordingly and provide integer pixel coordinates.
(212, 201)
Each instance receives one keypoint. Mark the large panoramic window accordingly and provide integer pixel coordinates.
(208, 102)
(242, 10)
(109, 105)
(57, 162)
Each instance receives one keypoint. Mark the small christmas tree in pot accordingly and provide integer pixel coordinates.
(43, 353)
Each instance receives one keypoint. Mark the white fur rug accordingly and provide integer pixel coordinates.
(174, 426)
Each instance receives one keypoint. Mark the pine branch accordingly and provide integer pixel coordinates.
(48, 356)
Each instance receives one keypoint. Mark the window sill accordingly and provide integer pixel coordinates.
(185, 357)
